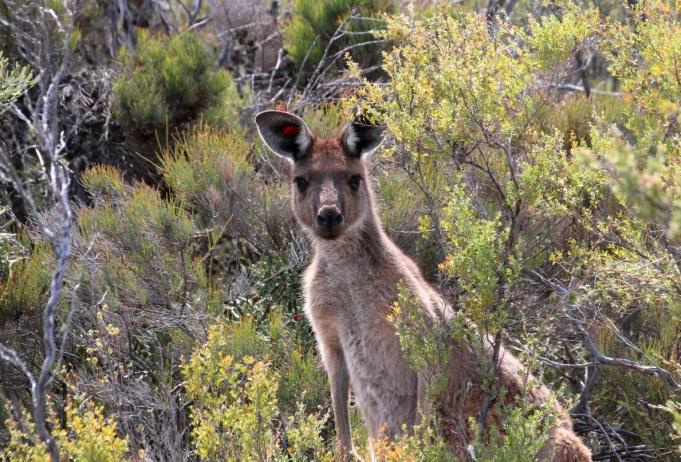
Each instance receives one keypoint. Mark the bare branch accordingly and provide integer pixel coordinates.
(597, 356)
(44, 123)
(12, 357)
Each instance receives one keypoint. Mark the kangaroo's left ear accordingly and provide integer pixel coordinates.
(360, 139)
(284, 133)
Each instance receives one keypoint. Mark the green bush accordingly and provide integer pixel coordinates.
(238, 412)
(170, 81)
(14, 81)
(675, 410)
(23, 287)
(301, 379)
(315, 22)
(526, 429)
(145, 258)
(142, 303)
(423, 445)
(212, 175)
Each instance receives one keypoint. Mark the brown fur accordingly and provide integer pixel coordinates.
(349, 289)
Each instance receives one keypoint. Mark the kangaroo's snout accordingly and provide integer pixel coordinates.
(329, 216)
(329, 220)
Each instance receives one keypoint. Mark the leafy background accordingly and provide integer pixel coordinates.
(531, 169)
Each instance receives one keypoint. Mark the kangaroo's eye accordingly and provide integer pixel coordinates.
(301, 182)
(354, 182)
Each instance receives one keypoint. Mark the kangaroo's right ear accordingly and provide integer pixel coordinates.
(284, 133)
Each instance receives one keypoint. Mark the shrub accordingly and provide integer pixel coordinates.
(675, 410)
(324, 120)
(168, 82)
(23, 288)
(569, 196)
(423, 445)
(87, 436)
(142, 302)
(211, 173)
(145, 256)
(236, 412)
(300, 379)
(406, 212)
(314, 24)
(13, 82)
(526, 429)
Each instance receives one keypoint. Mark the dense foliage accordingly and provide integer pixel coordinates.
(532, 169)
(530, 198)
(321, 30)
(168, 82)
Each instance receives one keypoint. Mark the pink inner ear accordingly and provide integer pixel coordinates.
(290, 130)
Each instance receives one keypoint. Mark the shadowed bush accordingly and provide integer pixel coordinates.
(168, 82)
(314, 24)
(213, 174)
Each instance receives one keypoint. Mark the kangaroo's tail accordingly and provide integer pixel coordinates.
(564, 446)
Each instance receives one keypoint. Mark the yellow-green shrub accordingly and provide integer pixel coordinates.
(235, 410)
(87, 436)
(585, 196)
(210, 172)
(13, 81)
(23, 290)
(423, 445)
(143, 299)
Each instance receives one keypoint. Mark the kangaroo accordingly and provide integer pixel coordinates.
(351, 285)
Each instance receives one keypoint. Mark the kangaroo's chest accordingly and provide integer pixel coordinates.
(352, 312)
(351, 304)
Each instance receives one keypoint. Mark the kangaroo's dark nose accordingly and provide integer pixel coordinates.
(328, 217)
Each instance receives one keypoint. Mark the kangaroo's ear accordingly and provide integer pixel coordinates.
(360, 138)
(284, 133)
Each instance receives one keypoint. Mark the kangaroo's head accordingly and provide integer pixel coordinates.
(330, 191)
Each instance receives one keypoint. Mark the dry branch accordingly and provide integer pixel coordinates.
(40, 116)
